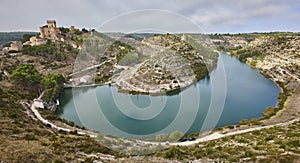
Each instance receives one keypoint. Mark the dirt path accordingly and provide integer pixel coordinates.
(33, 108)
(217, 135)
(38, 115)
(125, 75)
(213, 136)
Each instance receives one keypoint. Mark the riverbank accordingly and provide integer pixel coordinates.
(287, 107)
(104, 89)
(219, 134)
(290, 109)
(34, 109)
(211, 136)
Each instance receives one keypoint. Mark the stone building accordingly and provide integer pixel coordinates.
(14, 46)
(33, 41)
(50, 30)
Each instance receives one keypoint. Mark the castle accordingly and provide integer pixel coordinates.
(50, 30)
(47, 32)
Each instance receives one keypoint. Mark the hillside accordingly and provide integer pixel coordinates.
(168, 64)
(6, 37)
(275, 55)
(278, 58)
(26, 138)
(158, 64)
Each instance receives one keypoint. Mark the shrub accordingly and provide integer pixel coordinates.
(269, 112)
(172, 152)
(254, 121)
(174, 136)
(161, 137)
(30, 137)
(244, 122)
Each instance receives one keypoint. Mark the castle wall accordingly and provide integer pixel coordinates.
(49, 31)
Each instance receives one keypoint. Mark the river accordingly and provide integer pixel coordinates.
(231, 92)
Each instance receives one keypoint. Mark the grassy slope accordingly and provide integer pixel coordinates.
(11, 36)
(269, 145)
(26, 139)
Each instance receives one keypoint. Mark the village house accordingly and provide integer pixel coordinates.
(14, 46)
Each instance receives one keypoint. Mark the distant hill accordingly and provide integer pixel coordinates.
(136, 36)
(12, 36)
(139, 36)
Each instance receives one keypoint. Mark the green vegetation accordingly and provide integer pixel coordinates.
(206, 51)
(243, 54)
(6, 37)
(282, 97)
(108, 64)
(30, 141)
(270, 143)
(64, 30)
(26, 76)
(58, 52)
(125, 49)
(252, 121)
(53, 84)
(253, 63)
(200, 70)
(175, 136)
(255, 121)
(269, 112)
(244, 122)
(173, 152)
(40, 49)
(26, 37)
(161, 137)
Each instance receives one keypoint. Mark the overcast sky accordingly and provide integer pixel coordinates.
(221, 16)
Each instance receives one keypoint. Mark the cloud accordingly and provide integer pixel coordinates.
(238, 14)
(213, 15)
(150, 20)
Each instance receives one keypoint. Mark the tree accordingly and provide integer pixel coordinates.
(53, 84)
(77, 32)
(176, 135)
(26, 37)
(64, 30)
(161, 137)
(26, 76)
(244, 122)
(173, 152)
(269, 112)
(84, 30)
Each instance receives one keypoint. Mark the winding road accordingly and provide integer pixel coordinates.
(34, 110)
(213, 136)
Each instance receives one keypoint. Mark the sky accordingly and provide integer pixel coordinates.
(211, 16)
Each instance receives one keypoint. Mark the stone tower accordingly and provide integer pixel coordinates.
(51, 23)
(50, 30)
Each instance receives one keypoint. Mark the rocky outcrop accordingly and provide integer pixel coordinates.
(169, 64)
